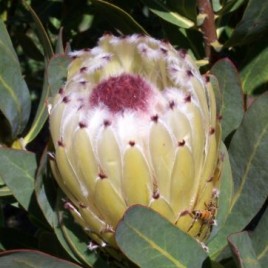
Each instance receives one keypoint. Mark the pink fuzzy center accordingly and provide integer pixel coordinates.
(118, 93)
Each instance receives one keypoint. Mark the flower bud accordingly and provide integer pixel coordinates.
(135, 123)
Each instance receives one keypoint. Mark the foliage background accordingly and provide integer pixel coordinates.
(42, 32)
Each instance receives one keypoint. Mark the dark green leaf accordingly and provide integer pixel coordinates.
(253, 23)
(248, 156)
(30, 259)
(149, 240)
(216, 5)
(44, 39)
(64, 244)
(41, 114)
(51, 216)
(45, 190)
(17, 169)
(222, 7)
(74, 239)
(259, 239)
(59, 45)
(243, 251)
(120, 19)
(57, 72)
(186, 8)
(254, 73)
(164, 12)
(14, 94)
(231, 91)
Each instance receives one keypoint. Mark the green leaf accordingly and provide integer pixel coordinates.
(41, 114)
(45, 190)
(231, 91)
(259, 239)
(43, 37)
(32, 258)
(118, 17)
(59, 45)
(216, 5)
(57, 72)
(17, 169)
(14, 94)
(253, 23)
(164, 12)
(223, 7)
(186, 8)
(248, 156)
(64, 244)
(74, 239)
(243, 251)
(151, 241)
(47, 204)
(55, 76)
(254, 74)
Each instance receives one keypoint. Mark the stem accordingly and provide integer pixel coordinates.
(208, 26)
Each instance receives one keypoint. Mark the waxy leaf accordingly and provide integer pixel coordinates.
(216, 5)
(248, 156)
(57, 73)
(186, 8)
(231, 91)
(41, 114)
(14, 94)
(222, 7)
(259, 239)
(17, 169)
(43, 37)
(254, 74)
(32, 258)
(243, 251)
(164, 12)
(60, 44)
(119, 18)
(253, 23)
(54, 78)
(46, 193)
(149, 240)
(74, 239)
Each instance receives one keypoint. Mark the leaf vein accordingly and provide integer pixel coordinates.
(157, 248)
(248, 165)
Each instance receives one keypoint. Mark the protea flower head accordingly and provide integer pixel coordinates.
(135, 123)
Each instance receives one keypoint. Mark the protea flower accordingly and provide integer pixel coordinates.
(135, 123)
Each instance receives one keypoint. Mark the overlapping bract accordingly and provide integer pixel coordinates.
(136, 123)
